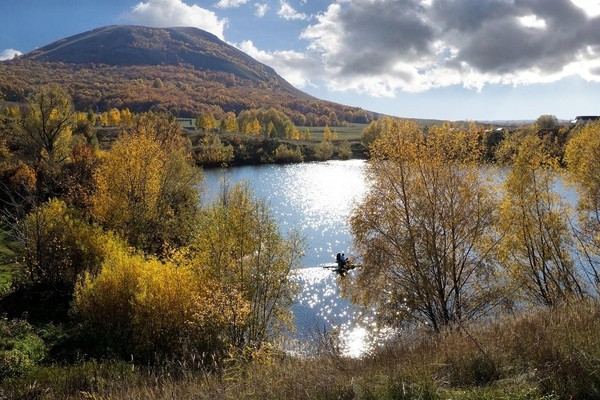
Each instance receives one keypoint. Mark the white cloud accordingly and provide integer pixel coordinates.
(385, 46)
(532, 21)
(293, 66)
(172, 13)
(289, 13)
(230, 3)
(9, 54)
(261, 9)
(590, 7)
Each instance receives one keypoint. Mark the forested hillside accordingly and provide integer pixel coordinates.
(185, 71)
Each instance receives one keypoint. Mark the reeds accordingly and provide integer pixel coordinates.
(541, 353)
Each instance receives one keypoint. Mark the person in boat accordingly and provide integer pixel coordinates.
(341, 260)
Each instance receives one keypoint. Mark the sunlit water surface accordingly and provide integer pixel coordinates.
(317, 199)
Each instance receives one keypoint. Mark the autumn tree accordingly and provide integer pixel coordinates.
(147, 185)
(206, 123)
(424, 233)
(345, 150)
(212, 152)
(327, 135)
(229, 123)
(536, 241)
(43, 127)
(324, 150)
(582, 155)
(240, 246)
(56, 246)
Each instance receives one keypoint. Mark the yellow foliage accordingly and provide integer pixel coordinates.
(424, 231)
(240, 247)
(536, 243)
(147, 189)
(157, 310)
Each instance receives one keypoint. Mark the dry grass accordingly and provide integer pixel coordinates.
(540, 354)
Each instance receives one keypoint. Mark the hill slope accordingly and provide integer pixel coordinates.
(185, 70)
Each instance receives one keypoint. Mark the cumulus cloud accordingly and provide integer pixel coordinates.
(287, 12)
(170, 13)
(9, 54)
(295, 67)
(261, 9)
(230, 3)
(383, 46)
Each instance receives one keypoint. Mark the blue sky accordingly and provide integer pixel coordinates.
(444, 59)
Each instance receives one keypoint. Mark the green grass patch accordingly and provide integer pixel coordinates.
(350, 132)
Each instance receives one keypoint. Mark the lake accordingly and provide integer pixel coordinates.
(318, 198)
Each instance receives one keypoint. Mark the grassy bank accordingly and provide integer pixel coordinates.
(541, 354)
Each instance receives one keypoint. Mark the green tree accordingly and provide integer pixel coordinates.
(546, 122)
(536, 240)
(424, 233)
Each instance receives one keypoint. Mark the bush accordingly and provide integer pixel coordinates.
(284, 154)
(20, 348)
(156, 310)
(324, 150)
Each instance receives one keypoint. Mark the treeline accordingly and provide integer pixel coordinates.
(113, 255)
(453, 245)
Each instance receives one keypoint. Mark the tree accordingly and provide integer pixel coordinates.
(206, 122)
(229, 123)
(536, 240)
(147, 186)
(345, 150)
(157, 310)
(212, 152)
(546, 122)
(324, 150)
(424, 233)
(327, 135)
(239, 245)
(582, 155)
(44, 126)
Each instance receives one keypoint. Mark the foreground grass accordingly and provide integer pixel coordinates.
(542, 354)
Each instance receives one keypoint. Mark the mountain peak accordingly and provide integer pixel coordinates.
(128, 45)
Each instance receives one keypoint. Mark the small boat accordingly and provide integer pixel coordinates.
(340, 270)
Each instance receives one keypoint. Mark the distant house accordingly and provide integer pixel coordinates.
(187, 123)
(584, 119)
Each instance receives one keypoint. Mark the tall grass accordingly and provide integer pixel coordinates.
(539, 354)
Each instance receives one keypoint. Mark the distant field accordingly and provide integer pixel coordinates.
(349, 132)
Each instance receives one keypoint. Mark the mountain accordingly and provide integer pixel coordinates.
(185, 70)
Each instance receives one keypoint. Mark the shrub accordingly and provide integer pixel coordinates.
(284, 154)
(156, 310)
(20, 348)
(324, 150)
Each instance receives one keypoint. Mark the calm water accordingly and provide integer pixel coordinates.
(317, 199)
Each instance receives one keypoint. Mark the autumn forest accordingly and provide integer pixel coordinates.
(116, 282)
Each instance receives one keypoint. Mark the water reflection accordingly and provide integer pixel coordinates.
(316, 198)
